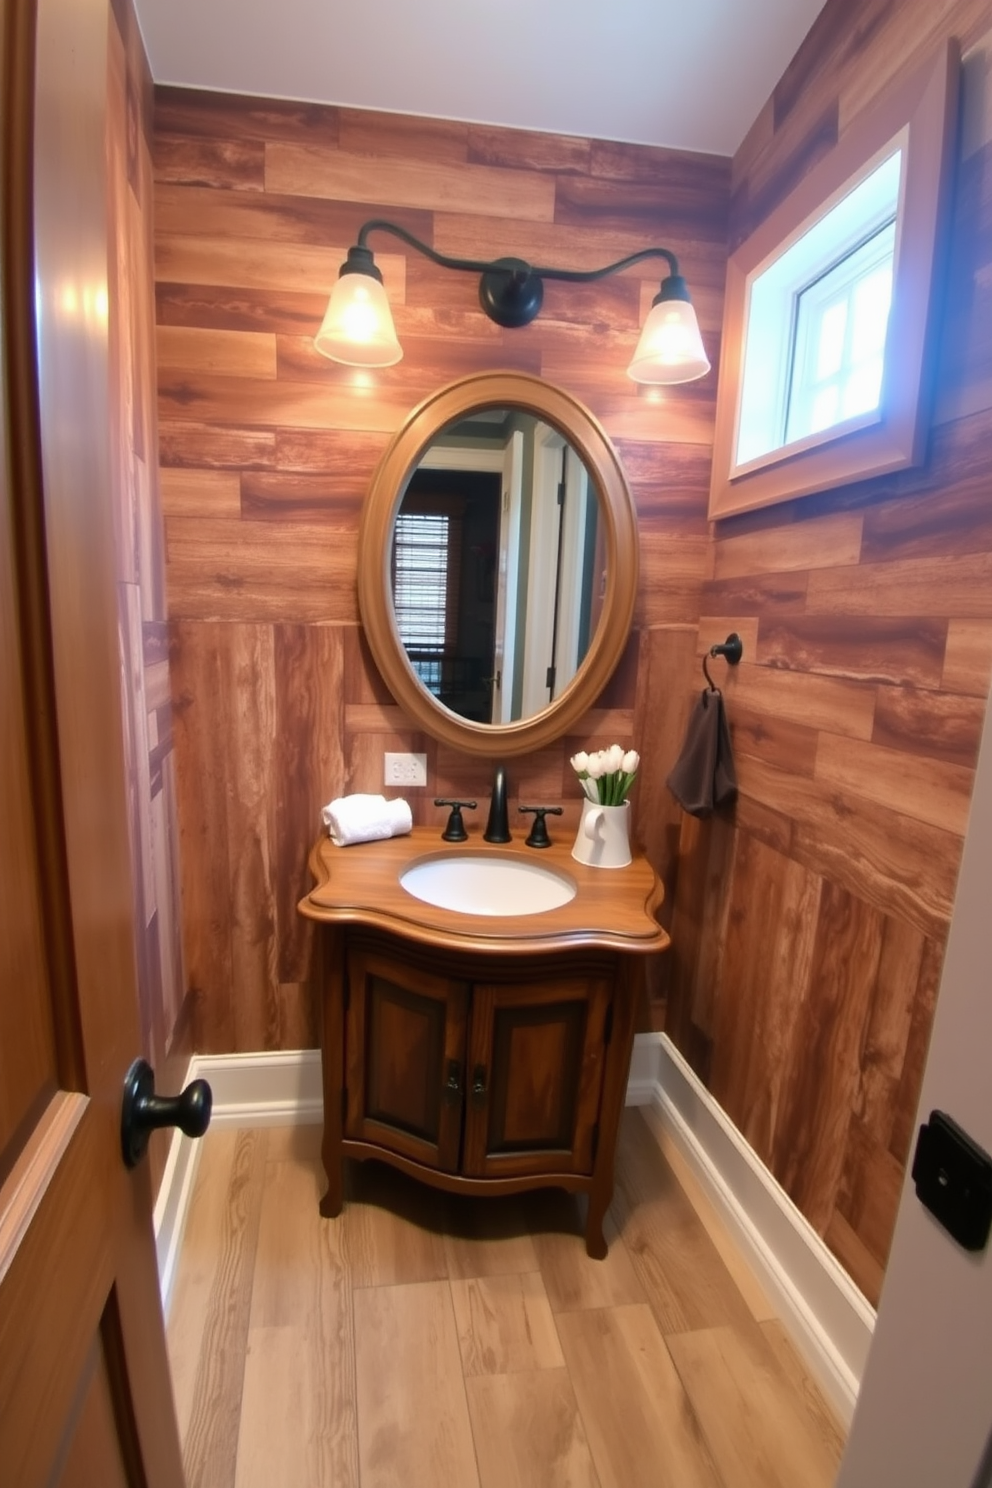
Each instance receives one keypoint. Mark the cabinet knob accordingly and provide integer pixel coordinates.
(453, 1084)
(479, 1077)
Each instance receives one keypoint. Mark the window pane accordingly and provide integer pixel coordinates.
(839, 348)
(872, 298)
(824, 409)
(862, 389)
(830, 347)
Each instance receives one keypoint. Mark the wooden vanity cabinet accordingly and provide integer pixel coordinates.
(480, 1055)
(476, 1074)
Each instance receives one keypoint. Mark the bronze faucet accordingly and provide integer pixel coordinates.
(498, 825)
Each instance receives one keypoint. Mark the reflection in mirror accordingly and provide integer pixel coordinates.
(497, 566)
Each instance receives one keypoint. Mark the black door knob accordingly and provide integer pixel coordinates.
(143, 1111)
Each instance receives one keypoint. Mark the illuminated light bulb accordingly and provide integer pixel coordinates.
(358, 326)
(670, 348)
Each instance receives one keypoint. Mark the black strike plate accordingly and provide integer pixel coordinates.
(953, 1178)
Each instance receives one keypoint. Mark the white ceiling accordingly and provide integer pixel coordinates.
(691, 74)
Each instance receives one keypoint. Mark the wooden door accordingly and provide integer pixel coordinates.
(85, 1394)
(535, 1072)
(405, 1059)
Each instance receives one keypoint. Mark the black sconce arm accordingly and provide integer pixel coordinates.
(482, 266)
(511, 291)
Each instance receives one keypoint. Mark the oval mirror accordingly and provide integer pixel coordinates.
(497, 568)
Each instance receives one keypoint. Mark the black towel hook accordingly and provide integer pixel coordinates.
(732, 649)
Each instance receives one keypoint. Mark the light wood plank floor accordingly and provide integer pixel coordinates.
(434, 1342)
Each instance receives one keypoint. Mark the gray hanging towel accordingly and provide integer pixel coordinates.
(703, 776)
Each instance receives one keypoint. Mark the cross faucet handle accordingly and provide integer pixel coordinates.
(455, 830)
(539, 831)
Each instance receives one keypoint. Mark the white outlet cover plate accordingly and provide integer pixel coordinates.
(405, 770)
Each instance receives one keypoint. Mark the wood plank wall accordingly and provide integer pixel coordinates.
(143, 627)
(810, 927)
(267, 450)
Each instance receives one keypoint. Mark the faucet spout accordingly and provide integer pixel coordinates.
(498, 825)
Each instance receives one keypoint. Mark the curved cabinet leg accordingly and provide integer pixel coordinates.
(333, 1162)
(331, 978)
(595, 1239)
(333, 1201)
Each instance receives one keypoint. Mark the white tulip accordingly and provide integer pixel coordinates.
(596, 766)
(614, 759)
(580, 762)
(630, 762)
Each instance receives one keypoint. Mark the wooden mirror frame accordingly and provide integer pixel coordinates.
(923, 105)
(403, 454)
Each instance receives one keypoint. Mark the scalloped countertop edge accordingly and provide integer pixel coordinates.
(613, 909)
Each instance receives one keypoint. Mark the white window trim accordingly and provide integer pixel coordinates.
(922, 103)
(773, 288)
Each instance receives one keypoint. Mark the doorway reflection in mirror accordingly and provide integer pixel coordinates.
(497, 566)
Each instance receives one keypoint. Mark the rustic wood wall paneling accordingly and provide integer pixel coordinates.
(200, 701)
(267, 451)
(138, 532)
(809, 927)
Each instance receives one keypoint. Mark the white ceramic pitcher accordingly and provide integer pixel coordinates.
(603, 838)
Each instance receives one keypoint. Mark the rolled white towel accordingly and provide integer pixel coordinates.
(363, 818)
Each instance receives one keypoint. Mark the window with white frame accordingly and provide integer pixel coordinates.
(817, 321)
(831, 322)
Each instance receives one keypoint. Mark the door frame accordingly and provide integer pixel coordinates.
(924, 1410)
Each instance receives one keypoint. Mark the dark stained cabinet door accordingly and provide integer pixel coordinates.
(534, 1075)
(476, 1071)
(405, 1059)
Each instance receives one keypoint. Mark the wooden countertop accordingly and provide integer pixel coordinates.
(613, 908)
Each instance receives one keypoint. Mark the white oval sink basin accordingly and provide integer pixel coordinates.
(487, 885)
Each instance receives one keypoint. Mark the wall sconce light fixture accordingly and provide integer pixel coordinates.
(358, 326)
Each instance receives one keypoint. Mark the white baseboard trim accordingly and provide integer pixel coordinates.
(248, 1090)
(171, 1208)
(263, 1089)
(829, 1320)
(642, 1081)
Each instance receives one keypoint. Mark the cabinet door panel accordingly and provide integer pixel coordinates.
(405, 1059)
(536, 1055)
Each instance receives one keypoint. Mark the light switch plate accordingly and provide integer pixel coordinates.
(953, 1178)
(405, 769)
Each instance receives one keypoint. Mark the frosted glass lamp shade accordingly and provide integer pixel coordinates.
(670, 349)
(357, 328)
